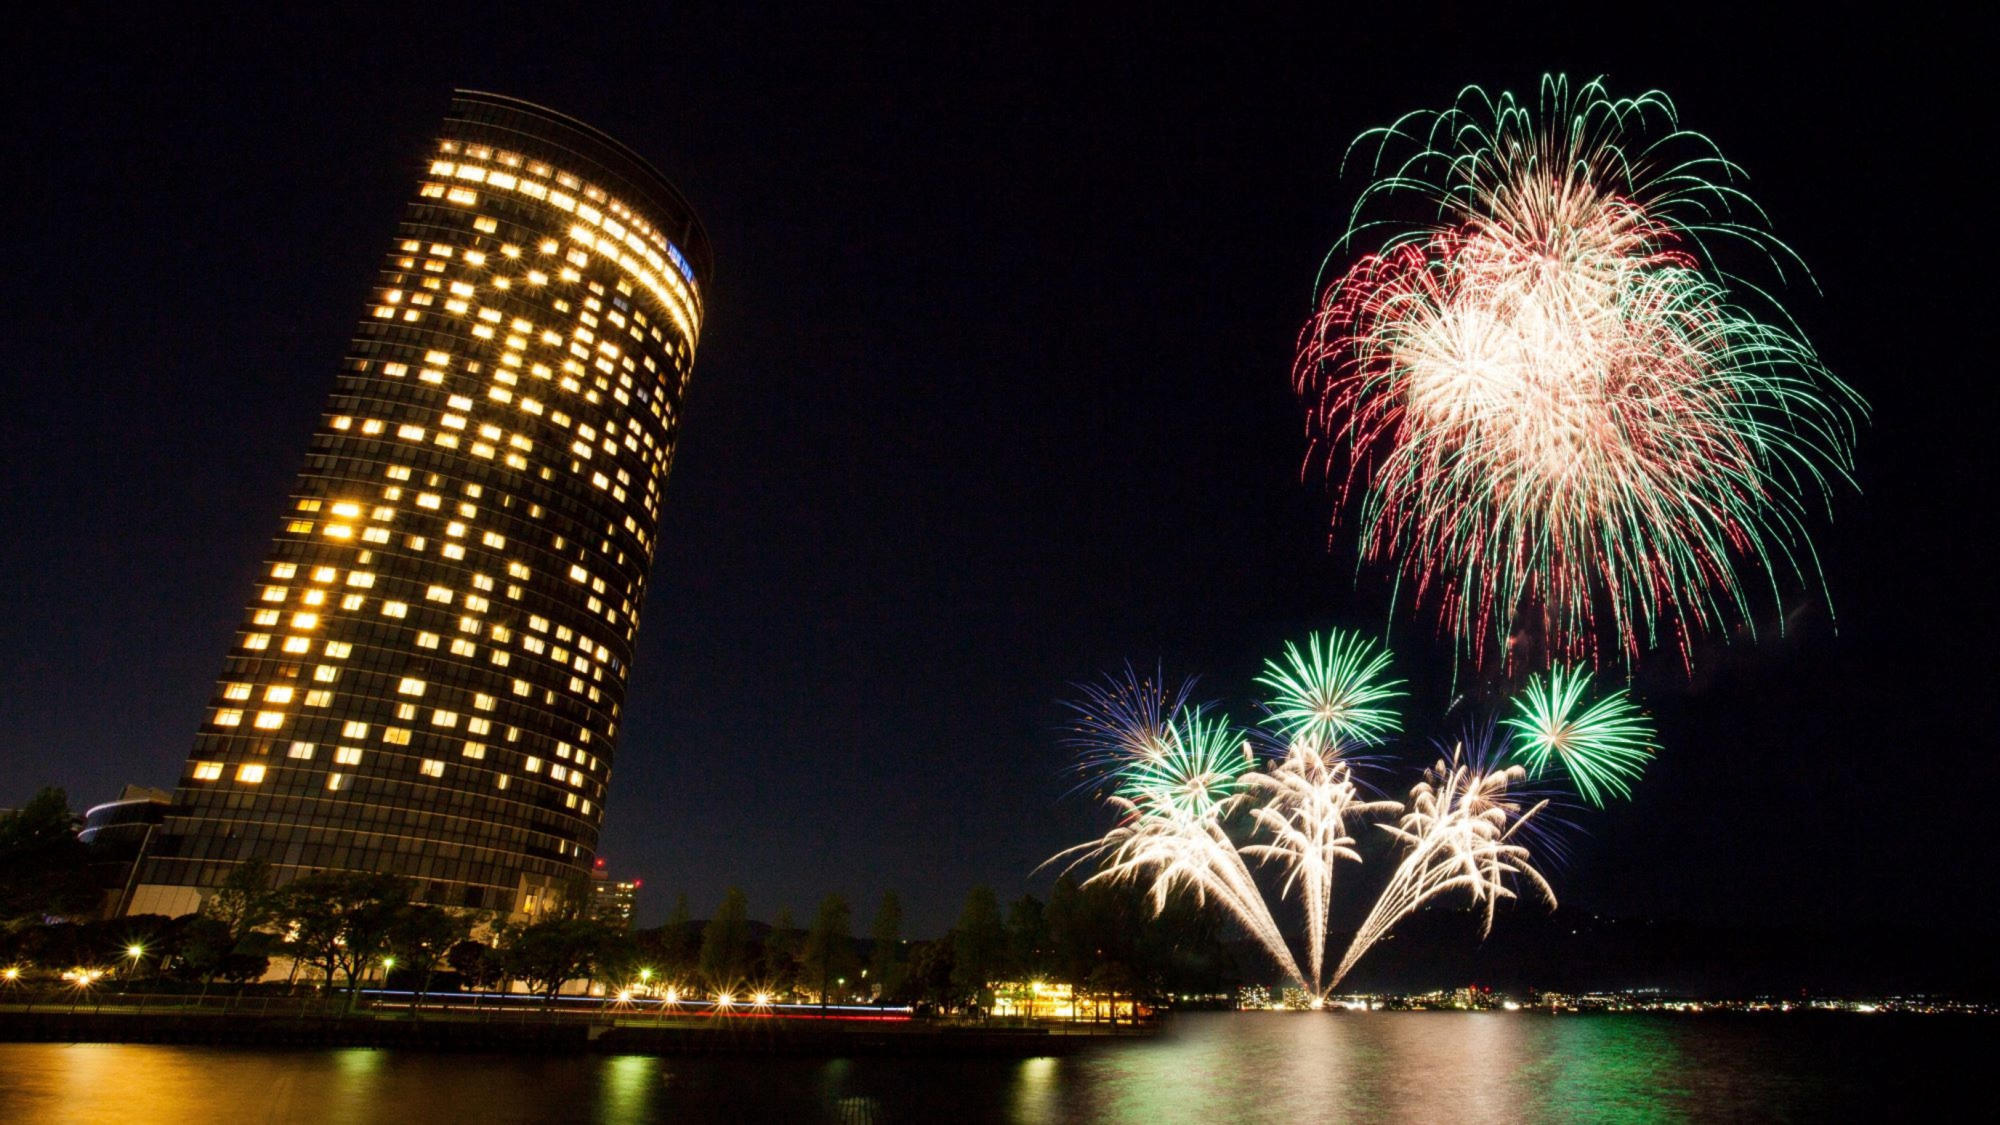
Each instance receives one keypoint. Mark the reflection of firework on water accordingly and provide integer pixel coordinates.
(1602, 747)
(1547, 396)
(1463, 832)
(1333, 693)
(1304, 805)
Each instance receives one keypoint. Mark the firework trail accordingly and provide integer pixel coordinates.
(1463, 832)
(1305, 805)
(1602, 747)
(1328, 698)
(1545, 394)
(1181, 770)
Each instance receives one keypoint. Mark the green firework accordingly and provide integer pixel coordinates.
(1333, 693)
(1197, 765)
(1602, 747)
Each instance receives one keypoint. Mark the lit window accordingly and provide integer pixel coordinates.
(482, 701)
(207, 771)
(475, 750)
(236, 691)
(394, 609)
(431, 767)
(439, 594)
(410, 685)
(228, 718)
(335, 782)
(428, 640)
(500, 781)
(326, 673)
(396, 736)
(250, 773)
(353, 602)
(257, 641)
(318, 698)
(277, 694)
(270, 720)
(347, 756)
(302, 750)
(264, 617)
(532, 765)
(338, 650)
(463, 647)
(354, 729)
(444, 718)
(298, 644)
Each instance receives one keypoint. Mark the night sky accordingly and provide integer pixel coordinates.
(993, 395)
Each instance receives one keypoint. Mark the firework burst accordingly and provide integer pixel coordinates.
(1333, 693)
(1546, 396)
(1305, 806)
(1463, 831)
(1602, 747)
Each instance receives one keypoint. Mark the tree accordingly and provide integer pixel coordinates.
(551, 953)
(245, 901)
(1070, 952)
(979, 947)
(681, 942)
(885, 961)
(782, 952)
(475, 962)
(420, 938)
(725, 942)
(829, 955)
(928, 982)
(44, 868)
(1028, 937)
(241, 907)
(340, 921)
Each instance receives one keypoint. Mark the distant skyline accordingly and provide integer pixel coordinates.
(993, 396)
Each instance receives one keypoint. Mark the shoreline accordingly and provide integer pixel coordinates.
(555, 1035)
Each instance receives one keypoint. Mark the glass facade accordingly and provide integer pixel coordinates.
(430, 672)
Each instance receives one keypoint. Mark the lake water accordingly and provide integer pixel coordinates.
(1209, 1068)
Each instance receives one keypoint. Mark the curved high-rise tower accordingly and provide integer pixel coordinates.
(430, 673)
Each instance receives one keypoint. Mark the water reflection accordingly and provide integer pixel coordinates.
(1376, 1066)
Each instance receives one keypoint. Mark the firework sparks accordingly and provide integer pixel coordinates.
(1602, 747)
(1176, 770)
(1305, 805)
(1548, 400)
(1333, 693)
(1463, 832)
(1123, 721)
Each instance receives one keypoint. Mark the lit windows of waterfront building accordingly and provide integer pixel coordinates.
(431, 670)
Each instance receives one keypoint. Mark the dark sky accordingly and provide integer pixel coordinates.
(993, 395)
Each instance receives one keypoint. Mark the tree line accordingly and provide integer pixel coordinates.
(341, 930)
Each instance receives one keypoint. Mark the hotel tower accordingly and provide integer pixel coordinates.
(430, 674)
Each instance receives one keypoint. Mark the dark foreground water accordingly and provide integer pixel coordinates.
(1210, 1068)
